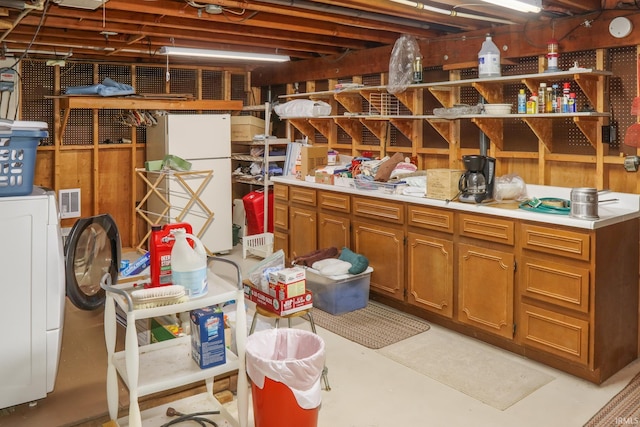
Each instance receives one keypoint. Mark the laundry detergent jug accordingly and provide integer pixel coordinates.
(189, 264)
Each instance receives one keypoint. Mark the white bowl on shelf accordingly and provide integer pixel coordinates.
(497, 108)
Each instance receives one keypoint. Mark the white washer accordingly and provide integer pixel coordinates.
(33, 296)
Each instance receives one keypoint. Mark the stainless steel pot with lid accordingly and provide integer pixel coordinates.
(584, 203)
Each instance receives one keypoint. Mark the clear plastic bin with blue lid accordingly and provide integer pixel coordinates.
(18, 144)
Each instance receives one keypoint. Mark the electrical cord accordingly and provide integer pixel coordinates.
(196, 416)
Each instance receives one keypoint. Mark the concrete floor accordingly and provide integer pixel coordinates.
(368, 389)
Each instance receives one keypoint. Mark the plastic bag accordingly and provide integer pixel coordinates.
(510, 187)
(303, 108)
(293, 357)
(259, 274)
(404, 52)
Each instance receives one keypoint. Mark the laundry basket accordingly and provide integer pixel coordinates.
(260, 245)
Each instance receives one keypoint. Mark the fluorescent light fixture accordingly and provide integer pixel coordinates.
(222, 54)
(534, 6)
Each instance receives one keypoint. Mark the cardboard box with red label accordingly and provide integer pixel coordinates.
(280, 307)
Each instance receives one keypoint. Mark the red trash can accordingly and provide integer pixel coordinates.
(285, 366)
(254, 211)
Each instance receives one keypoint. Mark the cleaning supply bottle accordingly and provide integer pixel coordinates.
(189, 264)
(489, 59)
(542, 90)
(160, 245)
(522, 102)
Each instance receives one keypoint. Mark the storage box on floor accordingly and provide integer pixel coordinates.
(339, 294)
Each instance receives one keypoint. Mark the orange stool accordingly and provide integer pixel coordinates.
(302, 313)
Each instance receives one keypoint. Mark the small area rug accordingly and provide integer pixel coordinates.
(622, 409)
(472, 367)
(374, 326)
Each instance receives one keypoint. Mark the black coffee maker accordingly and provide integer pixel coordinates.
(476, 184)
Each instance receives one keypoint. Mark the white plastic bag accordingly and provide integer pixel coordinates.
(510, 187)
(303, 108)
(294, 357)
(404, 52)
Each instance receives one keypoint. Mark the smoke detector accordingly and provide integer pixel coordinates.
(81, 4)
(213, 9)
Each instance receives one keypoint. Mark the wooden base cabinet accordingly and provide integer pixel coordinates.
(565, 296)
(430, 262)
(485, 294)
(383, 245)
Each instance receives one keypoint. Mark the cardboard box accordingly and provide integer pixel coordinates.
(442, 184)
(311, 158)
(207, 337)
(290, 275)
(324, 178)
(244, 128)
(274, 305)
(287, 290)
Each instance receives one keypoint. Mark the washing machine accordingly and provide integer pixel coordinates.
(36, 275)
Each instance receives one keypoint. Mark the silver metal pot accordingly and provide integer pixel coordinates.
(584, 203)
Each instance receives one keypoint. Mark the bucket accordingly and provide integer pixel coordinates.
(189, 264)
(584, 203)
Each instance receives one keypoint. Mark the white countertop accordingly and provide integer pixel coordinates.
(625, 207)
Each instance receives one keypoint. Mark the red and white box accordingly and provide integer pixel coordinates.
(281, 307)
(287, 290)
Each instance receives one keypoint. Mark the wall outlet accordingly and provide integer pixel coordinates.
(69, 201)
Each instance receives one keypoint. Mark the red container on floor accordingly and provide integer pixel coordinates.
(276, 406)
(254, 210)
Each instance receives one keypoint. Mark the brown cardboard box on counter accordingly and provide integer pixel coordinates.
(442, 184)
(311, 158)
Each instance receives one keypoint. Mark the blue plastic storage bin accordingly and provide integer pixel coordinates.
(339, 294)
(18, 146)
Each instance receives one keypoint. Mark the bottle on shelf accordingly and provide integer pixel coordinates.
(573, 104)
(566, 90)
(522, 102)
(417, 69)
(542, 93)
(556, 102)
(489, 59)
(532, 105)
(548, 100)
(189, 265)
(552, 56)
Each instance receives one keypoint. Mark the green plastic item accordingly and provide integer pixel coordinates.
(153, 165)
(176, 163)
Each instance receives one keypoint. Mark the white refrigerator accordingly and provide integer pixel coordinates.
(205, 141)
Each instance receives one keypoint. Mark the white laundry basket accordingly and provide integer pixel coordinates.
(260, 245)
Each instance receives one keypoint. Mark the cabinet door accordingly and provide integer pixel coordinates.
(430, 262)
(281, 241)
(334, 230)
(383, 245)
(280, 215)
(302, 231)
(485, 294)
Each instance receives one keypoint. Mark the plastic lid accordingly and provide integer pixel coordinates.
(22, 125)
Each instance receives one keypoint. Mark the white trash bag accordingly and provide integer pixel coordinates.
(293, 357)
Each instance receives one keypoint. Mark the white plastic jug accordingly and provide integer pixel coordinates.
(189, 265)
(489, 59)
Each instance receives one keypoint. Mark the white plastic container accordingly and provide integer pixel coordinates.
(489, 59)
(189, 265)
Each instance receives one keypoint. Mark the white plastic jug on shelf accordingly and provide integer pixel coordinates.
(189, 265)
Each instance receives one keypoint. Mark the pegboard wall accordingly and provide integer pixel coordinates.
(38, 81)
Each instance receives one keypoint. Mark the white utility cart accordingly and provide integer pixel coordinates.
(168, 364)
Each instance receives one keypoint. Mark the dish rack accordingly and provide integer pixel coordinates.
(258, 244)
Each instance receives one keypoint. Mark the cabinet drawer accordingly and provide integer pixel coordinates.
(335, 201)
(556, 241)
(555, 333)
(433, 219)
(305, 196)
(379, 209)
(281, 215)
(487, 228)
(280, 192)
(559, 284)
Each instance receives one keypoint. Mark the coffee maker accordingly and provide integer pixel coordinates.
(476, 184)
